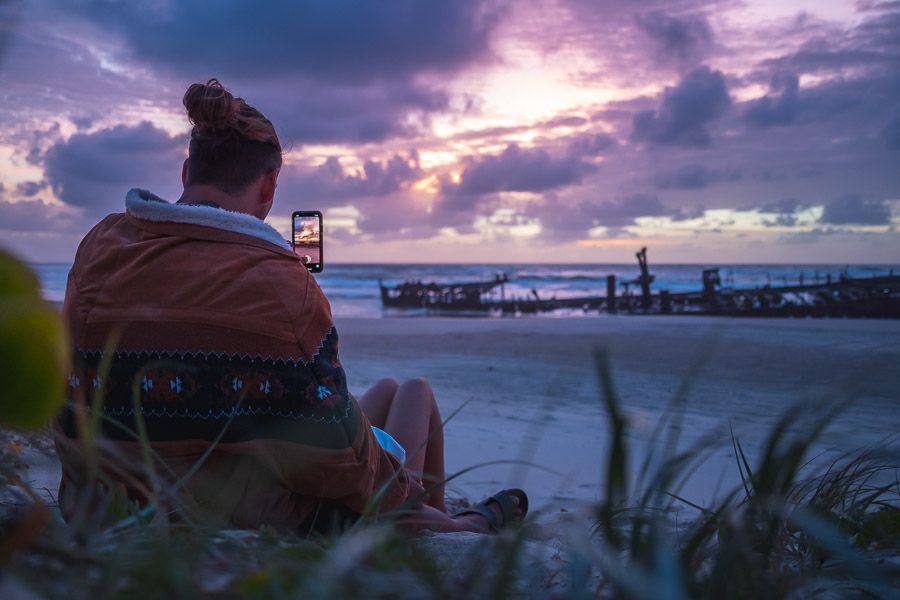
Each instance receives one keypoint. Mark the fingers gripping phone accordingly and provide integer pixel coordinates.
(306, 236)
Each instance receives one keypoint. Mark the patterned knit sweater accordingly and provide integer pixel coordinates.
(213, 329)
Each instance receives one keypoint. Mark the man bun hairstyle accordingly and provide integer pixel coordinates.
(232, 143)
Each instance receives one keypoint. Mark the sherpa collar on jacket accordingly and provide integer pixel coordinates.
(145, 205)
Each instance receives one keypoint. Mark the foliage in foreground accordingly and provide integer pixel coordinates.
(779, 534)
(33, 349)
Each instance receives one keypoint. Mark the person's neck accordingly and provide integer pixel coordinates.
(208, 195)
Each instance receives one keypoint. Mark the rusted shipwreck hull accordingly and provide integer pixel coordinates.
(870, 297)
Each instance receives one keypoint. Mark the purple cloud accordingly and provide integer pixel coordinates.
(591, 144)
(53, 68)
(93, 171)
(776, 110)
(623, 211)
(581, 143)
(682, 39)
(9, 16)
(820, 55)
(853, 210)
(636, 42)
(403, 216)
(518, 170)
(872, 44)
(695, 176)
(839, 98)
(334, 72)
(340, 41)
(682, 214)
(30, 188)
(891, 132)
(564, 221)
(37, 216)
(785, 220)
(563, 121)
(785, 211)
(370, 85)
(379, 191)
(785, 206)
(515, 169)
(686, 111)
(329, 185)
(310, 112)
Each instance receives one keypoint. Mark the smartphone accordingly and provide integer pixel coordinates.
(306, 236)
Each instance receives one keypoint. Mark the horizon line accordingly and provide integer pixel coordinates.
(580, 263)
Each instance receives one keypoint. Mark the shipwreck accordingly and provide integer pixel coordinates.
(843, 296)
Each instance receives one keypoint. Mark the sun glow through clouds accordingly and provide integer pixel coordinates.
(732, 131)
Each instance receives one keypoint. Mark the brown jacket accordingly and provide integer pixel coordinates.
(217, 325)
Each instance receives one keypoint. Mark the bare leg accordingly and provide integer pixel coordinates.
(428, 517)
(376, 402)
(410, 414)
(415, 422)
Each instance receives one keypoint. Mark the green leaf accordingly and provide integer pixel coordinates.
(34, 353)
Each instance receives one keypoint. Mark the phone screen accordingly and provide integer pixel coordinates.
(306, 231)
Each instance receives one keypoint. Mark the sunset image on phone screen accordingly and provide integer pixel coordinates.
(307, 239)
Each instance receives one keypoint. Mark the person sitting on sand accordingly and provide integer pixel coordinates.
(216, 335)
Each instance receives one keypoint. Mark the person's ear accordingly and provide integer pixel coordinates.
(184, 172)
(267, 189)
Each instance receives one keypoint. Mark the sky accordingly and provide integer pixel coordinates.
(479, 131)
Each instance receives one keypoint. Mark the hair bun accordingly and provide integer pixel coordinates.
(210, 106)
(213, 110)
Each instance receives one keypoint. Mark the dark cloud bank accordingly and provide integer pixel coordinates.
(695, 176)
(686, 111)
(338, 71)
(366, 73)
(854, 210)
(330, 184)
(94, 171)
(343, 41)
(562, 222)
(683, 40)
(518, 170)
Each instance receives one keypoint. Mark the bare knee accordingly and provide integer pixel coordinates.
(377, 400)
(419, 391)
(418, 386)
(388, 385)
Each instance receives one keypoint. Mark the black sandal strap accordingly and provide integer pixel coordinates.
(485, 511)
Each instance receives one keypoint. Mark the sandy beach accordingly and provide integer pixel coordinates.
(529, 391)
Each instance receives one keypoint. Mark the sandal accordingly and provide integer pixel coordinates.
(503, 499)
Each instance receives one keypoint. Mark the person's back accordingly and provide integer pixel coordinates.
(220, 333)
(220, 346)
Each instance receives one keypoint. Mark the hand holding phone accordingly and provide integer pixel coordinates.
(306, 237)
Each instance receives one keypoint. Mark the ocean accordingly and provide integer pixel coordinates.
(353, 289)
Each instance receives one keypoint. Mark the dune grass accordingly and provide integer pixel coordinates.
(784, 532)
(790, 529)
